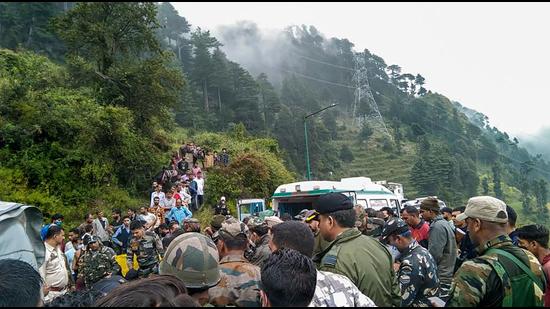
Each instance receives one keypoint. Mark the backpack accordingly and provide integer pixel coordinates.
(529, 288)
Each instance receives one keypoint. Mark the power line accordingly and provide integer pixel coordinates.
(316, 79)
(433, 105)
(323, 62)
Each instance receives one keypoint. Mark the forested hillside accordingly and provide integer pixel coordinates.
(94, 96)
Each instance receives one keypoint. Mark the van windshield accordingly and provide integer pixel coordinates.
(378, 203)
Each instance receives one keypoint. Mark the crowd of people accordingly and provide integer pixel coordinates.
(336, 254)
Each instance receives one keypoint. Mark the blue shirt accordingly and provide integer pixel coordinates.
(179, 214)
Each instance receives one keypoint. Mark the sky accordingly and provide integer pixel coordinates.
(492, 57)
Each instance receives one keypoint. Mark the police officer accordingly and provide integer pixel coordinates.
(363, 259)
(260, 237)
(147, 246)
(417, 273)
(491, 278)
(240, 281)
(98, 261)
(193, 258)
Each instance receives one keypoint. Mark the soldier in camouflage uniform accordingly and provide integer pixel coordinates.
(487, 280)
(260, 236)
(97, 262)
(193, 258)
(239, 284)
(147, 246)
(417, 273)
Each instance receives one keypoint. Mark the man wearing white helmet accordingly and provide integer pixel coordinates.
(221, 208)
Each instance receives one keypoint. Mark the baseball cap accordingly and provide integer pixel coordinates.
(486, 208)
(393, 226)
(332, 202)
(222, 198)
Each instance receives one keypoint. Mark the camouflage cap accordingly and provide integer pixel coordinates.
(393, 226)
(272, 221)
(256, 221)
(233, 228)
(485, 208)
(216, 221)
(193, 258)
(88, 239)
(191, 220)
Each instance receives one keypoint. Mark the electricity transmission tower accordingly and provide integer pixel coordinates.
(363, 92)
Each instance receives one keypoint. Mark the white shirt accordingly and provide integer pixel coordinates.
(155, 194)
(54, 270)
(149, 218)
(200, 186)
(168, 203)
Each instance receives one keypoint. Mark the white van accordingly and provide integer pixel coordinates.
(291, 198)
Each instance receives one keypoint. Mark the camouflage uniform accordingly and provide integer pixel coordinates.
(261, 250)
(239, 284)
(477, 283)
(335, 290)
(96, 265)
(374, 227)
(417, 276)
(240, 280)
(147, 250)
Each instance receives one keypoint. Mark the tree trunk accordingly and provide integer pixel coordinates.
(30, 32)
(219, 100)
(205, 93)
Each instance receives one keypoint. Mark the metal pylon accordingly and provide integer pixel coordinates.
(362, 90)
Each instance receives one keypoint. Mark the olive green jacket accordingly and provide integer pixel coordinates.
(366, 262)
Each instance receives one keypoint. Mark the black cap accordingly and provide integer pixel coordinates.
(332, 202)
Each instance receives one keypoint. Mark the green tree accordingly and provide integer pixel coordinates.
(496, 181)
(112, 48)
(365, 133)
(485, 186)
(345, 154)
(269, 101)
(541, 195)
(202, 68)
(27, 25)
(103, 33)
(525, 187)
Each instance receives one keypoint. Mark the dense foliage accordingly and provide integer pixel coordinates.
(97, 120)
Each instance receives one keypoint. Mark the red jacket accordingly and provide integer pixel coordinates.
(421, 231)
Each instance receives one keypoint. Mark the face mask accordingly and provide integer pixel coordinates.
(59, 223)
